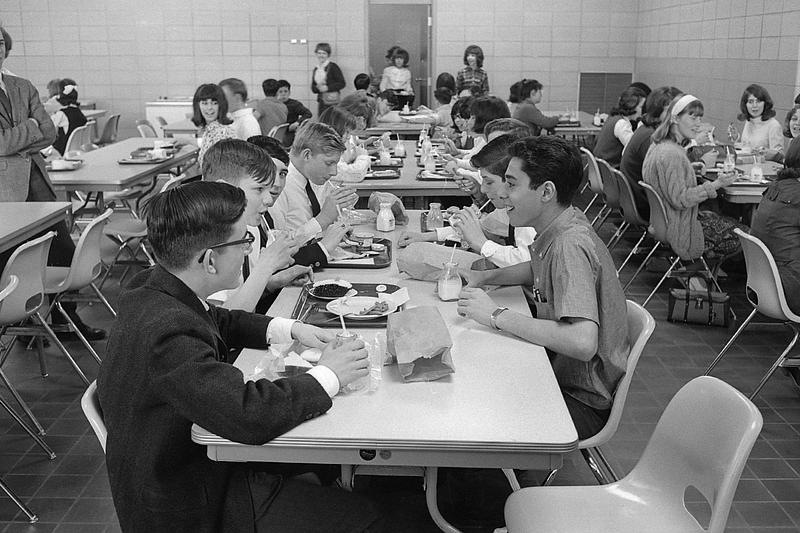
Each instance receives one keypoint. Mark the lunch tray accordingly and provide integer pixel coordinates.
(142, 161)
(376, 165)
(442, 177)
(382, 260)
(568, 124)
(312, 310)
(394, 176)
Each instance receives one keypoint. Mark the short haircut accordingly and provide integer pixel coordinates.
(270, 86)
(787, 131)
(494, 156)
(9, 42)
(656, 102)
(477, 51)
(791, 162)
(461, 109)
(443, 95)
(272, 146)
(628, 102)
(236, 86)
(210, 91)
(229, 159)
(64, 98)
(401, 53)
(760, 93)
(642, 87)
(550, 158)
(508, 126)
(325, 47)
(52, 86)
(188, 219)
(487, 108)
(526, 87)
(284, 83)
(445, 79)
(513, 92)
(362, 81)
(664, 130)
(359, 105)
(341, 120)
(317, 137)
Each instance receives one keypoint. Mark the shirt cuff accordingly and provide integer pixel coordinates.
(326, 378)
(489, 248)
(324, 251)
(314, 227)
(442, 234)
(279, 330)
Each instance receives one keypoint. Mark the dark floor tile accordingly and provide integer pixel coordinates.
(763, 514)
(788, 449)
(38, 527)
(24, 485)
(113, 528)
(771, 469)
(61, 486)
(784, 490)
(94, 510)
(50, 509)
(80, 464)
(67, 527)
(98, 486)
(752, 491)
(778, 431)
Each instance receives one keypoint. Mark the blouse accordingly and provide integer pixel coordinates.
(760, 133)
(212, 133)
(468, 77)
(396, 79)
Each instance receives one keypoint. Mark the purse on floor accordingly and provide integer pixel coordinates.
(692, 306)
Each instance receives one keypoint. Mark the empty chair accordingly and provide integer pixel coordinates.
(595, 182)
(90, 404)
(279, 132)
(78, 139)
(765, 293)
(146, 129)
(630, 213)
(110, 131)
(702, 441)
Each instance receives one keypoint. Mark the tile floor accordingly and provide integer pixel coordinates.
(71, 493)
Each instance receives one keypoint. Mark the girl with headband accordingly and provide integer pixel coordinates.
(69, 116)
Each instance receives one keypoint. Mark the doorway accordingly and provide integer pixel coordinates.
(407, 25)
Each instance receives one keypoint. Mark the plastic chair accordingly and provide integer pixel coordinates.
(279, 132)
(702, 441)
(611, 195)
(110, 131)
(146, 129)
(595, 182)
(766, 294)
(162, 122)
(77, 142)
(90, 404)
(630, 213)
(640, 327)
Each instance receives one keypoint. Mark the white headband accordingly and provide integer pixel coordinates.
(69, 88)
(681, 104)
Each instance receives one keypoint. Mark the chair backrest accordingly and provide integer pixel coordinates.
(110, 130)
(27, 264)
(86, 263)
(147, 131)
(593, 172)
(77, 140)
(702, 440)
(763, 279)
(610, 187)
(640, 327)
(87, 143)
(11, 284)
(627, 201)
(90, 404)
(658, 214)
(279, 132)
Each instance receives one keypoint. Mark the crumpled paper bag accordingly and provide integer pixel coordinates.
(419, 341)
(399, 212)
(424, 260)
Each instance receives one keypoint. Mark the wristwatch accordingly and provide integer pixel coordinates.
(494, 315)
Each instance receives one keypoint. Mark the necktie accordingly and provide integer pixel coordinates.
(313, 199)
(245, 268)
(511, 239)
(5, 102)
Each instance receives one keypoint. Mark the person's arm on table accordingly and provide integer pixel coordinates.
(511, 275)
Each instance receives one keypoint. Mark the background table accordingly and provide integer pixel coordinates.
(406, 130)
(94, 113)
(19, 221)
(182, 127)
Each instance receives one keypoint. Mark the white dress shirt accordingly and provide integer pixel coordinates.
(245, 123)
(292, 210)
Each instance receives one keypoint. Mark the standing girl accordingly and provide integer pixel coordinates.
(327, 79)
(472, 77)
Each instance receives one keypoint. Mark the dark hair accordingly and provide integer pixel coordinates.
(642, 87)
(761, 94)
(461, 109)
(401, 52)
(487, 108)
(443, 95)
(390, 53)
(656, 102)
(317, 137)
(228, 159)
(236, 86)
(797, 99)
(210, 91)
(270, 86)
(628, 101)
(791, 162)
(188, 219)
(494, 156)
(514, 92)
(67, 99)
(342, 121)
(325, 47)
(787, 131)
(272, 146)
(359, 106)
(475, 50)
(284, 83)
(362, 81)
(526, 87)
(9, 42)
(550, 158)
(445, 79)
(508, 126)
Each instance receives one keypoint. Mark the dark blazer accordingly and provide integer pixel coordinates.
(21, 139)
(334, 79)
(166, 368)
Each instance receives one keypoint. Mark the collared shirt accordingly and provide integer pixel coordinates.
(292, 209)
(574, 277)
(245, 124)
(777, 223)
(271, 113)
(468, 76)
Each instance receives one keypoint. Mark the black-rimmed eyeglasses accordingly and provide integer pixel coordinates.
(248, 239)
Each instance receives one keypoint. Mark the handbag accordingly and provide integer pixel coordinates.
(692, 306)
(330, 98)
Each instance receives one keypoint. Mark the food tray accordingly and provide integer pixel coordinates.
(439, 177)
(568, 124)
(312, 310)
(142, 161)
(391, 174)
(382, 260)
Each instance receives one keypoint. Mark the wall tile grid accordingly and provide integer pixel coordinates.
(715, 48)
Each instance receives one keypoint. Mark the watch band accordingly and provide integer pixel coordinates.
(494, 315)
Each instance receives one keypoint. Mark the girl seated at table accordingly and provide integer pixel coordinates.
(761, 128)
(210, 114)
(397, 79)
(530, 93)
(690, 232)
(69, 116)
(791, 125)
(618, 129)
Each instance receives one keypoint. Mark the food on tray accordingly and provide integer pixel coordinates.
(378, 308)
(330, 288)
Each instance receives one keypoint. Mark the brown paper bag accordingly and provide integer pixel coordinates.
(424, 260)
(420, 342)
(399, 212)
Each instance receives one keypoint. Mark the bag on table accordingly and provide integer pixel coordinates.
(692, 306)
(330, 97)
(419, 341)
(424, 260)
(398, 210)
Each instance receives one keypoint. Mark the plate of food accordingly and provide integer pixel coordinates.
(330, 289)
(361, 307)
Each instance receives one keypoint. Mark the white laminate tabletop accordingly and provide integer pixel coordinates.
(19, 221)
(184, 126)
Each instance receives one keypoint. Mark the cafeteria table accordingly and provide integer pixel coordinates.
(502, 408)
(406, 130)
(20, 221)
(181, 127)
(94, 113)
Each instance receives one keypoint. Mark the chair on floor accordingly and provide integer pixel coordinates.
(90, 404)
(630, 213)
(279, 132)
(765, 293)
(78, 141)
(611, 195)
(595, 183)
(163, 122)
(110, 131)
(640, 327)
(146, 129)
(702, 442)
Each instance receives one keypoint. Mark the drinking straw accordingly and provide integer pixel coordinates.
(484, 206)
(266, 225)
(341, 316)
(453, 253)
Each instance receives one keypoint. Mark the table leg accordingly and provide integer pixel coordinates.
(431, 478)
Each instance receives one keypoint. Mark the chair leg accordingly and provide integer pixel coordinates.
(431, 479)
(665, 276)
(42, 444)
(778, 362)
(617, 236)
(550, 477)
(591, 202)
(103, 299)
(22, 403)
(512, 479)
(730, 342)
(633, 251)
(603, 220)
(599, 214)
(599, 466)
(60, 346)
(77, 331)
(641, 266)
(32, 518)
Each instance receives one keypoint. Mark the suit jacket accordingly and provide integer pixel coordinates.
(21, 139)
(166, 368)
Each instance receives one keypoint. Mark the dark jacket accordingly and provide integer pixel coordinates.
(76, 119)
(334, 79)
(631, 166)
(165, 369)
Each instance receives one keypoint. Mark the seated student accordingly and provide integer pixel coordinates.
(354, 162)
(362, 83)
(396, 78)
(791, 125)
(69, 116)
(581, 314)
(618, 128)
(271, 111)
(244, 122)
(530, 94)
(51, 105)
(761, 128)
(308, 204)
(250, 168)
(167, 367)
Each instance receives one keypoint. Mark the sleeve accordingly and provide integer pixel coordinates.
(504, 256)
(623, 131)
(311, 255)
(775, 135)
(314, 88)
(240, 329)
(384, 80)
(573, 274)
(335, 77)
(327, 378)
(485, 85)
(673, 174)
(303, 113)
(251, 127)
(21, 137)
(460, 81)
(279, 330)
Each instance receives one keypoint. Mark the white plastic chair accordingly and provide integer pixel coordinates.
(702, 440)
(110, 131)
(78, 141)
(90, 404)
(146, 129)
(595, 182)
(279, 132)
(627, 204)
(764, 282)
